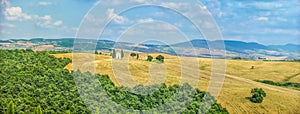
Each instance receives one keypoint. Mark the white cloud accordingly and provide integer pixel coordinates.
(259, 5)
(138, 1)
(15, 14)
(7, 25)
(208, 25)
(46, 22)
(57, 23)
(149, 20)
(117, 18)
(153, 28)
(202, 7)
(109, 2)
(267, 5)
(44, 3)
(47, 18)
(174, 5)
(5, 32)
(281, 31)
(94, 20)
(261, 18)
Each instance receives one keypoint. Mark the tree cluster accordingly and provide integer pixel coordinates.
(258, 95)
(149, 58)
(30, 79)
(160, 58)
(283, 84)
(133, 54)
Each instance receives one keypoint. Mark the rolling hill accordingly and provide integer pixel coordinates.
(239, 78)
(248, 50)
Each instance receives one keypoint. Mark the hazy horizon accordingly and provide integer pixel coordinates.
(149, 41)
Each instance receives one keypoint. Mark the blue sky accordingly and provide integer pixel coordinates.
(263, 21)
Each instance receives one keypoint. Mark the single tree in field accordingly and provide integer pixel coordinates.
(38, 110)
(133, 54)
(149, 58)
(113, 53)
(96, 52)
(10, 108)
(160, 58)
(258, 95)
(137, 56)
(122, 53)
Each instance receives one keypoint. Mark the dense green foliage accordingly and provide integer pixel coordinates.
(137, 56)
(30, 79)
(132, 54)
(149, 58)
(37, 82)
(237, 58)
(69, 112)
(258, 95)
(57, 52)
(96, 52)
(10, 108)
(160, 58)
(113, 55)
(38, 110)
(141, 99)
(122, 54)
(283, 84)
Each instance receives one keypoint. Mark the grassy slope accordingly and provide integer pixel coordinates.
(236, 88)
(275, 71)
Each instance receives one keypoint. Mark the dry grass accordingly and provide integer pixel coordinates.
(295, 79)
(236, 87)
(275, 71)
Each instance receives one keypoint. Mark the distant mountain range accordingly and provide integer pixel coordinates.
(240, 46)
(241, 49)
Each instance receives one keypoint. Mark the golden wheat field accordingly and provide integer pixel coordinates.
(236, 88)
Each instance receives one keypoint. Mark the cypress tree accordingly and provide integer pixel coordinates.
(122, 53)
(114, 53)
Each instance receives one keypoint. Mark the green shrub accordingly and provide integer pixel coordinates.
(258, 95)
(160, 58)
(149, 58)
(132, 54)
